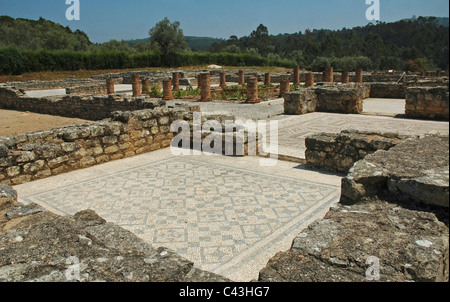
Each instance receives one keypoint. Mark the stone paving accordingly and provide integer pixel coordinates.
(293, 130)
(228, 215)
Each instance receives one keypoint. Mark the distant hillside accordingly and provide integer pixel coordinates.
(440, 21)
(194, 43)
(40, 34)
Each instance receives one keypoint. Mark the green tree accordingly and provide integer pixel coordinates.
(168, 36)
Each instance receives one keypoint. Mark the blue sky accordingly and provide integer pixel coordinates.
(103, 20)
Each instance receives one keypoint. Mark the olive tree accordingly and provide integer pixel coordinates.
(168, 36)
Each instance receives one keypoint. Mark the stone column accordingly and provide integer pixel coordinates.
(136, 85)
(110, 86)
(145, 86)
(267, 80)
(309, 79)
(199, 81)
(205, 95)
(329, 77)
(284, 87)
(359, 76)
(252, 91)
(241, 77)
(223, 79)
(176, 81)
(345, 77)
(296, 77)
(167, 90)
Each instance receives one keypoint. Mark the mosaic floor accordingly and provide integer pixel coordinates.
(225, 214)
(293, 130)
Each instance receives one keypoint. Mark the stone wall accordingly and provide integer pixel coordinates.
(327, 97)
(339, 100)
(84, 107)
(300, 101)
(339, 152)
(427, 102)
(99, 89)
(44, 85)
(35, 155)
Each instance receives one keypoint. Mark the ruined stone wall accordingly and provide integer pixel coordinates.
(301, 101)
(35, 155)
(393, 90)
(427, 102)
(44, 85)
(84, 107)
(339, 152)
(328, 97)
(99, 89)
(339, 100)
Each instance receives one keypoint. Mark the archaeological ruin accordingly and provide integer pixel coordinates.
(360, 178)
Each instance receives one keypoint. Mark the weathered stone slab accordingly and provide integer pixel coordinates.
(415, 169)
(373, 241)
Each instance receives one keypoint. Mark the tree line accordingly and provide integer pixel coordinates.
(413, 44)
(42, 45)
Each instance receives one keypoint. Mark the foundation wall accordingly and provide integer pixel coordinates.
(83, 107)
(36, 155)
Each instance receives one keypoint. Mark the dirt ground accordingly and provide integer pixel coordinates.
(15, 122)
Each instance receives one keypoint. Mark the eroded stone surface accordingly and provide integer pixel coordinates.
(415, 169)
(408, 244)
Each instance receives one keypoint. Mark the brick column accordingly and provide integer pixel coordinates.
(241, 77)
(309, 79)
(199, 81)
(145, 86)
(167, 90)
(223, 79)
(176, 81)
(252, 91)
(296, 76)
(345, 77)
(267, 80)
(284, 87)
(205, 95)
(136, 85)
(110, 86)
(329, 77)
(359, 76)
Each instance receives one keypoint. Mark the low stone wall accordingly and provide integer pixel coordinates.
(339, 152)
(300, 101)
(35, 155)
(83, 107)
(339, 100)
(427, 102)
(99, 89)
(327, 97)
(393, 90)
(388, 90)
(45, 85)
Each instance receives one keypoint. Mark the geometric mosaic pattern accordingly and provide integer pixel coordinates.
(225, 219)
(293, 130)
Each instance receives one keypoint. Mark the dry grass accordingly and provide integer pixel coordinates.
(83, 74)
